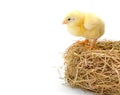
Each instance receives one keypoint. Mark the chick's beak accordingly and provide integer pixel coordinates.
(64, 22)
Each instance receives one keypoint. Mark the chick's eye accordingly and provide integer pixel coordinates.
(69, 19)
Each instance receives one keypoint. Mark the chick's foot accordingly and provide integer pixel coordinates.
(83, 42)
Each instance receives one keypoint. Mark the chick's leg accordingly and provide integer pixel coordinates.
(83, 42)
(93, 43)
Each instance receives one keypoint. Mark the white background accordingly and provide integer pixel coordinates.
(33, 40)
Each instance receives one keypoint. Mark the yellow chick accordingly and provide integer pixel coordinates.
(86, 25)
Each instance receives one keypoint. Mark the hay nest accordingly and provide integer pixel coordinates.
(97, 70)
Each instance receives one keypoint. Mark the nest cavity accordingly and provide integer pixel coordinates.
(96, 70)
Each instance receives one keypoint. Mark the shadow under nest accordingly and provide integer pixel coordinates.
(97, 70)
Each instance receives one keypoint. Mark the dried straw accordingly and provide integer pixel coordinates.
(97, 70)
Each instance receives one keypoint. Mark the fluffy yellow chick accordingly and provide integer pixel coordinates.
(86, 25)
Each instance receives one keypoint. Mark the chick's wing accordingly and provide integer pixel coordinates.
(91, 21)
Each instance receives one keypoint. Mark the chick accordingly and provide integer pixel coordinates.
(86, 25)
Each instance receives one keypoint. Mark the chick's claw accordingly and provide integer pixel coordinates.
(87, 44)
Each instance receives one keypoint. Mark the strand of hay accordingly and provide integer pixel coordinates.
(97, 70)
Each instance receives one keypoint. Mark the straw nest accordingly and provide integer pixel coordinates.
(97, 70)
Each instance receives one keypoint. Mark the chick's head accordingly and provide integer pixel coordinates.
(73, 18)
